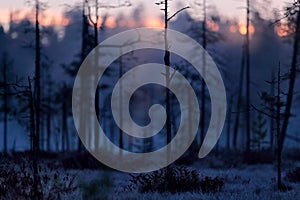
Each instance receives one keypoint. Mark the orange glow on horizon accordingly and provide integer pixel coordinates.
(243, 29)
(127, 23)
(47, 18)
(54, 21)
(110, 22)
(284, 30)
(154, 22)
(233, 29)
(212, 26)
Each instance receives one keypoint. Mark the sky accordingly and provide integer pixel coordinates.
(55, 8)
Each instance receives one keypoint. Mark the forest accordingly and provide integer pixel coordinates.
(150, 100)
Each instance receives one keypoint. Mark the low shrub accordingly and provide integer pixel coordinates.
(17, 182)
(97, 188)
(293, 175)
(211, 185)
(175, 180)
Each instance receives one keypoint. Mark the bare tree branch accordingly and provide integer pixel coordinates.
(262, 112)
(178, 12)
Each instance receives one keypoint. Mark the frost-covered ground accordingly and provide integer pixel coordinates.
(244, 182)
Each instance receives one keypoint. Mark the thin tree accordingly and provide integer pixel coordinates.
(95, 24)
(203, 95)
(6, 63)
(37, 73)
(65, 132)
(272, 109)
(239, 100)
(293, 70)
(207, 37)
(279, 144)
(83, 54)
(248, 102)
(49, 112)
(245, 68)
(272, 87)
(165, 9)
(87, 43)
(34, 142)
(229, 123)
(97, 97)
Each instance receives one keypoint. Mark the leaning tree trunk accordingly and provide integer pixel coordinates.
(292, 81)
(239, 100)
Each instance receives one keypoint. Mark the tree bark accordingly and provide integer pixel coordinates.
(272, 106)
(48, 140)
(37, 75)
(293, 71)
(229, 124)
(5, 106)
(248, 93)
(167, 65)
(239, 100)
(279, 147)
(203, 95)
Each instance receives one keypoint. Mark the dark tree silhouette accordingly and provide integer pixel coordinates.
(239, 99)
(6, 65)
(272, 108)
(207, 38)
(37, 73)
(87, 44)
(168, 76)
(95, 24)
(293, 10)
(245, 70)
(248, 92)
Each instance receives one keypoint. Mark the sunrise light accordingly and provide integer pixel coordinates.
(283, 30)
(154, 22)
(243, 29)
(48, 18)
(127, 23)
(212, 26)
(233, 29)
(111, 22)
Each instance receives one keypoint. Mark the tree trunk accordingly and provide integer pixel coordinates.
(272, 106)
(203, 95)
(84, 51)
(48, 140)
(121, 145)
(65, 134)
(37, 75)
(97, 97)
(239, 100)
(229, 124)
(292, 81)
(248, 93)
(279, 147)
(167, 65)
(5, 106)
(35, 191)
